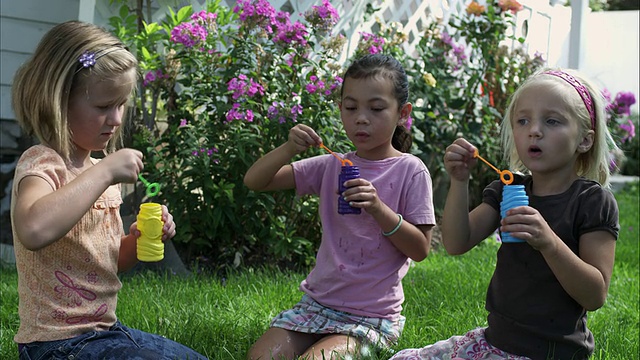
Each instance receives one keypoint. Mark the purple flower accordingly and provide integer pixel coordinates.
(236, 113)
(153, 76)
(624, 100)
(183, 123)
(323, 17)
(295, 111)
(189, 34)
(204, 18)
(311, 88)
(630, 130)
(446, 38)
(408, 123)
(372, 43)
(257, 13)
(149, 78)
(287, 33)
(241, 87)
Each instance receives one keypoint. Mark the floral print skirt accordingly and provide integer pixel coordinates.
(309, 316)
(471, 345)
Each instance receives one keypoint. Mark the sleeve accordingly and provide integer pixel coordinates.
(308, 174)
(492, 194)
(419, 198)
(600, 212)
(44, 163)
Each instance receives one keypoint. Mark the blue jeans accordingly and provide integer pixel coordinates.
(119, 342)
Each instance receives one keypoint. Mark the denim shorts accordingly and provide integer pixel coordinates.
(119, 342)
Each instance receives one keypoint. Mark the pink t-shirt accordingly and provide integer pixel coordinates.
(358, 270)
(69, 287)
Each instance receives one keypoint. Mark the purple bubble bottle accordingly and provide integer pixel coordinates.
(512, 196)
(347, 173)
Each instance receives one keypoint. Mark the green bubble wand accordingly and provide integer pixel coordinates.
(152, 188)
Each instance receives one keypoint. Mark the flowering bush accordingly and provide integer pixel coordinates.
(461, 79)
(220, 88)
(223, 86)
(622, 125)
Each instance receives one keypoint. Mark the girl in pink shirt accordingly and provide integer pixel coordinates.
(353, 296)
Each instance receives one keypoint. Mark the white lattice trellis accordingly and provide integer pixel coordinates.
(413, 15)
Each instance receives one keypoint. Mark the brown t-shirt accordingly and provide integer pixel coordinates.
(530, 314)
(69, 287)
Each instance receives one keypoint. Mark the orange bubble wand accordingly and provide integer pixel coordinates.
(506, 176)
(344, 162)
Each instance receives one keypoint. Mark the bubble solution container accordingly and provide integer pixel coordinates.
(512, 196)
(150, 247)
(347, 173)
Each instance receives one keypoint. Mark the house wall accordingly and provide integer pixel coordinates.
(22, 24)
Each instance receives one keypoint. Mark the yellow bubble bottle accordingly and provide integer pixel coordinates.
(150, 247)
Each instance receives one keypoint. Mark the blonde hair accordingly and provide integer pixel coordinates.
(43, 85)
(593, 164)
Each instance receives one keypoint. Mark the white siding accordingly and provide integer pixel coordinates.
(22, 25)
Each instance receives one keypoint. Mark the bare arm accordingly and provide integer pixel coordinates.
(461, 229)
(272, 171)
(43, 215)
(585, 278)
(413, 241)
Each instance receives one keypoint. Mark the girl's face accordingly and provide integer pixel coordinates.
(546, 133)
(370, 114)
(96, 111)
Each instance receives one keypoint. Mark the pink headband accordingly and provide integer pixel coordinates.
(582, 91)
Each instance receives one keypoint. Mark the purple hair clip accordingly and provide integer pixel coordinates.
(582, 91)
(87, 59)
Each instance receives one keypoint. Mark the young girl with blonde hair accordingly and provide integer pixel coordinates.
(555, 133)
(65, 205)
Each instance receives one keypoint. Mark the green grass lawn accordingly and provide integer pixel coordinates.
(222, 317)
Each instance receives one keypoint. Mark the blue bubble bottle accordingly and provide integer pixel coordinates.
(512, 196)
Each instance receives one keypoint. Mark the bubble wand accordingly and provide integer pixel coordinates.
(152, 188)
(506, 176)
(344, 162)
(512, 196)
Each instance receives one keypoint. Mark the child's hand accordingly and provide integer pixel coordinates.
(301, 137)
(169, 228)
(123, 165)
(526, 223)
(459, 159)
(362, 194)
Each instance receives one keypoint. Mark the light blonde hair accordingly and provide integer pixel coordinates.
(593, 164)
(43, 85)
